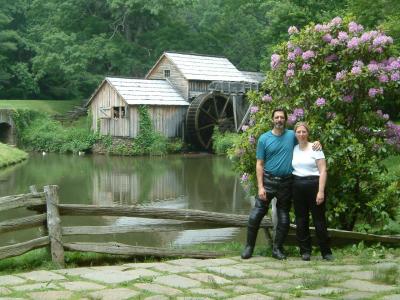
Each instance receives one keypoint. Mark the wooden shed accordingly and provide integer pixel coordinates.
(191, 74)
(114, 107)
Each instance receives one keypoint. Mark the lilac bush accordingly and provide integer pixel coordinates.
(336, 76)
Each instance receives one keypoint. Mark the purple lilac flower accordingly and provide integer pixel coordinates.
(254, 109)
(340, 75)
(245, 127)
(321, 28)
(330, 58)
(382, 40)
(372, 92)
(334, 42)
(348, 98)
(383, 78)
(306, 67)
(308, 54)
(353, 43)
(293, 30)
(358, 63)
(298, 51)
(298, 112)
(244, 178)
(354, 27)
(336, 21)
(327, 38)
(395, 76)
(291, 119)
(365, 37)
(393, 135)
(252, 122)
(373, 67)
(356, 70)
(290, 45)
(343, 36)
(320, 102)
(291, 66)
(395, 65)
(289, 73)
(252, 140)
(378, 50)
(275, 61)
(267, 98)
(291, 56)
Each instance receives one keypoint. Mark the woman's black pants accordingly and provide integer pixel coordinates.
(305, 191)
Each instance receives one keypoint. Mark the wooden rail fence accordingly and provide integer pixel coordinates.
(47, 212)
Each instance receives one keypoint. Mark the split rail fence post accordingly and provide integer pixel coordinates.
(54, 225)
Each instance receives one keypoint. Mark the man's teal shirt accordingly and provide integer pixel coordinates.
(277, 152)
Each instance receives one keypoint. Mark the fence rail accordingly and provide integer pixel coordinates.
(47, 213)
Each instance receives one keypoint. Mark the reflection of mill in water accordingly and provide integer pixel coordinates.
(205, 184)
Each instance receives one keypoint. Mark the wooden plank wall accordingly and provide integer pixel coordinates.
(168, 120)
(176, 78)
(108, 97)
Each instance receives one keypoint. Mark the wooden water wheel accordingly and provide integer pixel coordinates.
(205, 112)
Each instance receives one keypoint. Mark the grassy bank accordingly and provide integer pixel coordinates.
(51, 107)
(10, 155)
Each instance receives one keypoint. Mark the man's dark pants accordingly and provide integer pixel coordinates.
(281, 188)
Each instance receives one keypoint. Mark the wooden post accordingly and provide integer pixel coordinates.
(54, 225)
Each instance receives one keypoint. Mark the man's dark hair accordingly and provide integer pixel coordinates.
(279, 109)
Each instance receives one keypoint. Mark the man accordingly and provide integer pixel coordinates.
(274, 179)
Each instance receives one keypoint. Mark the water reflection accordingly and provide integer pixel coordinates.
(204, 183)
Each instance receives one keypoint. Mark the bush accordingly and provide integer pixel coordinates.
(222, 142)
(335, 76)
(38, 132)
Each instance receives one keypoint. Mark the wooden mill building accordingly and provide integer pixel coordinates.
(169, 90)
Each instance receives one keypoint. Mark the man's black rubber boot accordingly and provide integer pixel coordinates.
(251, 241)
(278, 253)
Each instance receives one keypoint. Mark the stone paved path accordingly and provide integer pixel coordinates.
(225, 278)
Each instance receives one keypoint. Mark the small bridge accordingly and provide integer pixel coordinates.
(7, 127)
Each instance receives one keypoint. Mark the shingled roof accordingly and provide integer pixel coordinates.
(143, 91)
(202, 67)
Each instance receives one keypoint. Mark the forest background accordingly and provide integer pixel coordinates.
(62, 49)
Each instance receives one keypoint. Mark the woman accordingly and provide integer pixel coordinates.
(309, 193)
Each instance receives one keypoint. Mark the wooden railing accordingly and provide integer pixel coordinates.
(48, 202)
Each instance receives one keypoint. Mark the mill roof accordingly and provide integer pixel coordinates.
(143, 91)
(202, 67)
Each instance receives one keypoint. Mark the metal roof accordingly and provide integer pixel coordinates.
(143, 91)
(254, 76)
(202, 67)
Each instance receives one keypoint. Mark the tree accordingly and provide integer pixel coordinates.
(335, 76)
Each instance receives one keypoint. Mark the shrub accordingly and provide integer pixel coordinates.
(335, 76)
(223, 141)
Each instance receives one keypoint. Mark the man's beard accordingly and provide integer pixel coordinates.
(279, 125)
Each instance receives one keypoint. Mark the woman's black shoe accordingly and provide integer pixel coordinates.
(328, 257)
(306, 256)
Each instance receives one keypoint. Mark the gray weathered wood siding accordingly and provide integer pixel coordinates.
(107, 97)
(169, 120)
(197, 87)
(176, 78)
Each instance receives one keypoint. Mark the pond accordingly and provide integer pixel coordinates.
(203, 182)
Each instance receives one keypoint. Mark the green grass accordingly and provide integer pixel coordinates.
(10, 155)
(392, 163)
(388, 275)
(51, 107)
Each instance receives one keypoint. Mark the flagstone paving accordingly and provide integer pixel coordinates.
(225, 278)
